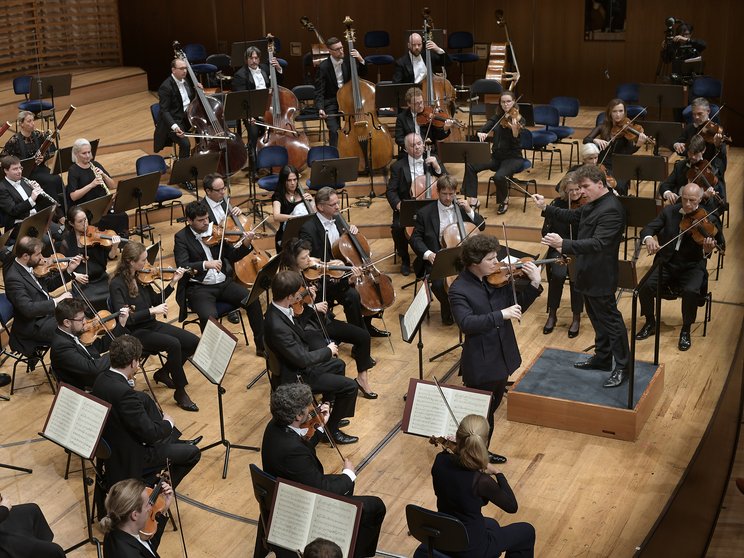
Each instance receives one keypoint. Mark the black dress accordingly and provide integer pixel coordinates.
(97, 288)
(286, 207)
(78, 177)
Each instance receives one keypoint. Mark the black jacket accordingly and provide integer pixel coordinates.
(171, 111)
(326, 85)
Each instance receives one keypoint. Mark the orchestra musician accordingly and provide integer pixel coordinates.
(484, 313)
(569, 196)
(332, 74)
(72, 361)
(285, 454)
(677, 179)
(322, 548)
(427, 234)
(296, 257)
(25, 533)
(155, 336)
(322, 233)
(293, 357)
(506, 152)
(465, 481)
(600, 227)
(402, 175)
(213, 264)
(174, 95)
(287, 203)
(683, 267)
(406, 123)
(411, 67)
(127, 512)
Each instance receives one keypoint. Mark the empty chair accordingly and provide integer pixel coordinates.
(223, 63)
(308, 111)
(567, 107)
(22, 86)
(478, 91)
(706, 86)
(166, 196)
(196, 54)
(269, 158)
(378, 39)
(459, 41)
(548, 116)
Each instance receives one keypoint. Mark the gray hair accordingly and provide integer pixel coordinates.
(288, 401)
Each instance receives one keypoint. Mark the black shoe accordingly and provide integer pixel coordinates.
(618, 376)
(448, 320)
(186, 404)
(549, 324)
(646, 331)
(341, 438)
(344, 422)
(4, 380)
(573, 330)
(234, 317)
(365, 394)
(193, 442)
(496, 458)
(684, 341)
(162, 377)
(593, 363)
(189, 187)
(503, 208)
(260, 352)
(374, 332)
(405, 269)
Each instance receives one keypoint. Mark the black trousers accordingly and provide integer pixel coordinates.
(557, 275)
(333, 123)
(373, 514)
(342, 332)
(348, 297)
(683, 278)
(610, 334)
(328, 378)
(502, 167)
(497, 394)
(517, 539)
(184, 146)
(177, 343)
(26, 533)
(400, 241)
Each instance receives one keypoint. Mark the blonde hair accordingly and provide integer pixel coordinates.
(129, 254)
(471, 442)
(570, 178)
(23, 114)
(77, 145)
(124, 498)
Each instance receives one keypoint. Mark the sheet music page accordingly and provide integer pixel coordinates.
(213, 354)
(415, 311)
(75, 422)
(464, 403)
(427, 412)
(333, 520)
(291, 517)
(62, 416)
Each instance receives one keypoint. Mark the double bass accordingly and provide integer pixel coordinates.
(280, 113)
(205, 114)
(499, 57)
(363, 135)
(319, 50)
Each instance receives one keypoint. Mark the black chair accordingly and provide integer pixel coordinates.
(478, 90)
(263, 490)
(436, 531)
(223, 309)
(308, 111)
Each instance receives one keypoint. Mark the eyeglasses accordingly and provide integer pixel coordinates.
(336, 49)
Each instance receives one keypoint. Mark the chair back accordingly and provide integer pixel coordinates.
(304, 92)
(22, 85)
(195, 52)
(459, 40)
(155, 112)
(6, 310)
(320, 153)
(376, 39)
(706, 86)
(546, 115)
(222, 61)
(714, 110)
(150, 163)
(436, 530)
(628, 92)
(525, 139)
(567, 106)
(627, 277)
(485, 87)
(263, 489)
(272, 156)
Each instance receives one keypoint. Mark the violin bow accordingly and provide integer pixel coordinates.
(317, 314)
(694, 224)
(56, 261)
(613, 138)
(446, 403)
(162, 281)
(516, 104)
(509, 266)
(178, 511)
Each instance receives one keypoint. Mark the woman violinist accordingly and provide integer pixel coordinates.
(483, 312)
(155, 336)
(465, 481)
(569, 198)
(602, 136)
(296, 257)
(289, 201)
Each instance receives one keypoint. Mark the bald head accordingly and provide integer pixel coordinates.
(415, 44)
(692, 190)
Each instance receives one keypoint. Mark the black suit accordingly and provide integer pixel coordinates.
(404, 125)
(404, 67)
(24, 533)
(171, 112)
(678, 179)
(78, 365)
(12, 205)
(426, 237)
(119, 544)
(243, 81)
(284, 454)
(326, 88)
(601, 225)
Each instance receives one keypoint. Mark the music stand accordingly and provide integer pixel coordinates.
(152, 252)
(443, 267)
(28, 166)
(639, 212)
(292, 230)
(135, 193)
(97, 208)
(473, 152)
(50, 87)
(664, 133)
(661, 96)
(638, 168)
(392, 95)
(410, 323)
(34, 225)
(63, 161)
(334, 172)
(191, 168)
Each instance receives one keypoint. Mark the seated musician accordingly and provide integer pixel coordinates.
(678, 178)
(34, 323)
(289, 346)
(285, 454)
(175, 95)
(25, 144)
(24, 532)
(322, 233)
(322, 548)
(431, 221)
(609, 144)
(332, 74)
(402, 175)
(214, 270)
(127, 288)
(287, 203)
(411, 67)
(72, 361)
(406, 123)
(296, 257)
(683, 267)
(127, 513)
(715, 150)
(506, 153)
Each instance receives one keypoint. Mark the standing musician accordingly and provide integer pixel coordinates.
(213, 264)
(24, 532)
(406, 123)
(322, 233)
(683, 267)
(609, 144)
(174, 94)
(465, 481)
(293, 357)
(318, 322)
(127, 511)
(677, 179)
(569, 198)
(427, 235)
(285, 454)
(127, 289)
(506, 152)
(411, 67)
(72, 361)
(484, 312)
(332, 74)
(287, 202)
(601, 225)
(25, 144)
(402, 175)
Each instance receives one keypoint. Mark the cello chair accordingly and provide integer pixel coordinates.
(321, 153)
(40, 107)
(166, 196)
(479, 89)
(523, 183)
(458, 41)
(549, 116)
(437, 532)
(378, 39)
(196, 54)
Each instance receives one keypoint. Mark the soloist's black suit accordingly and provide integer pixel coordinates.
(284, 454)
(25, 533)
(326, 88)
(404, 67)
(78, 365)
(119, 544)
(171, 112)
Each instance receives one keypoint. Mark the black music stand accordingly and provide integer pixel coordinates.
(28, 166)
(191, 168)
(292, 230)
(334, 173)
(443, 267)
(63, 161)
(639, 212)
(664, 133)
(407, 218)
(152, 252)
(135, 193)
(34, 225)
(473, 152)
(97, 208)
(661, 96)
(639, 168)
(392, 95)
(50, 87)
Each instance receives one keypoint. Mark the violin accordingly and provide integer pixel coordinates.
(701, 173)
(511, 116)
(335, 269)
(216, 235)
(157, 500)
(710, 129)
(502, 275)
(50, 263)
(629, 131)
(699, 225)
(147, 275)
(304, 296)
(446, 443)
(313, 422)
(247, 268)
(431, 116)
(96, 237)
(611, 182)
(96, 327)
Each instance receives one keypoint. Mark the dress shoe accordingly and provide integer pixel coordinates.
(161, 377)
(593, 363)
(618, 376)
(184, 401)
(341, 438)
(344, 422)
(189, 186)
(503, 208)
(366, 394)
(684, 341)
(234, 317)
(374, 332)
(496, 458)
(405, 269)
(549, 324)
(194, 442)
(573, 330)
(646, 331)
(261, 353)
(4, 380)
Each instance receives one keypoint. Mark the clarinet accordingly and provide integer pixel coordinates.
(32, 184)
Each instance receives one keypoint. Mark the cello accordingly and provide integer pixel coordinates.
(363, 135)
(280, 113)
(205, 114)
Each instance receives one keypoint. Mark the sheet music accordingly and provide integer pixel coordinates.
(333, 520)
(75, 421)
(214, 352)
(290, 517)
(415, 311)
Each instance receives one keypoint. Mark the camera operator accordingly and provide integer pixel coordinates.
(679, 44)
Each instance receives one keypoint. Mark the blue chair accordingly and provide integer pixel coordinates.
(320, 153)
(538, 141)
(437, 532)
(706, 86)
(166, 196)
(197, 55)
(223, 63)
(548, 116)
(714, 114)
(460, 40)
(308, 111)
(525, 184)
(22, 86)
(628, 92)
(378, 39)
(479, 89)
(268, 158)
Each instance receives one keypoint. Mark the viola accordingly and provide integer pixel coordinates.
(157, 500)
(247, 268)
(629, 130)
(699, 225)
(96, 327)
(503, 274)
(147, 275)
(335, 269)
(611, 182)
(50, 263)
(96, 237)
(710, 129)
